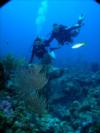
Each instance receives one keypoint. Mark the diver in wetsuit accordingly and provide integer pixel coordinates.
(40, 51)
(64, 34)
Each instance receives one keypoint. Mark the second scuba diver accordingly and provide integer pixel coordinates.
(64, 34)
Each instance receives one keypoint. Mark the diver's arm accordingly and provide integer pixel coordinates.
(78, 25)
(31, 59)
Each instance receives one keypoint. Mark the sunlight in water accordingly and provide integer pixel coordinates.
(41, 17)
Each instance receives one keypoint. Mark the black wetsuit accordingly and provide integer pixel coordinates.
(63, 35)
(38, 51)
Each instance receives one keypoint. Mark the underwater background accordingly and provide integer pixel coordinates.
(19, 27)
(61, 97)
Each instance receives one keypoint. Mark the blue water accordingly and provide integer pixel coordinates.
(18, 28)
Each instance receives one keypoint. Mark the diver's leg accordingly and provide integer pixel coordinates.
(81, 19)
(79, 24)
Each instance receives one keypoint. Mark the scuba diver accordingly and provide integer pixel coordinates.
(40, 51)
(64, 34)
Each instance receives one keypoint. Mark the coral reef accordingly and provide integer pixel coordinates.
(57, 101)
(2, 76)
(11, 63)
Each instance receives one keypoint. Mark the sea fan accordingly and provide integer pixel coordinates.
(29, 82)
